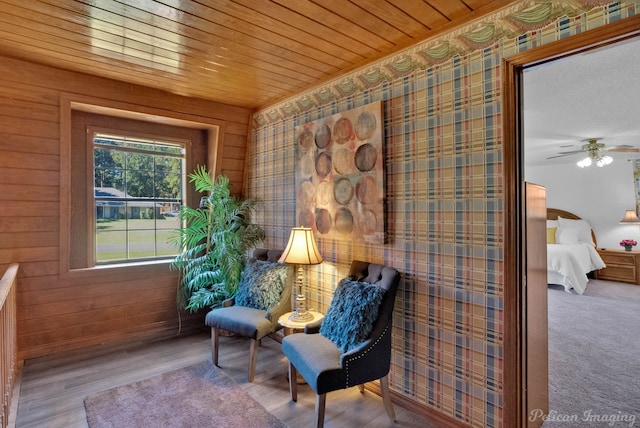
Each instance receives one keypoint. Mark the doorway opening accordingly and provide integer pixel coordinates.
(516, 310)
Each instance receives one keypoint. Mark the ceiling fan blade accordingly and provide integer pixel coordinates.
(572, 152)
(563, 155)
(623, 149)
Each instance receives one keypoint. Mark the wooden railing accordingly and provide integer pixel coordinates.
(8, 340)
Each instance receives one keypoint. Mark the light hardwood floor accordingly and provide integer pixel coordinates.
(53, 388)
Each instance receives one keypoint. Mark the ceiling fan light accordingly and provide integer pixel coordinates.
(584, 162)
(604, 160)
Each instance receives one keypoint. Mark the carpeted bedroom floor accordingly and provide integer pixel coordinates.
(594, 356)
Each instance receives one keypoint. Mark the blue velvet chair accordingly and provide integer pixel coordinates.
(325, 363)
(247, 321)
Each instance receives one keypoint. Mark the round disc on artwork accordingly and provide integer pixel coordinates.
(343, 191)
(306, 218)
(307, 166)
(368, 222)
(323, 137)
(366, 157)
(323, 221)
(365, 125)
(324, 195)
(344, 221)
(305, 139)
(306, 194)
(367, 190)
(343, 161)
(323, 164)
(343, 130)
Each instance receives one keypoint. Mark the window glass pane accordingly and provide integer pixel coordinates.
(170, 211)
(139, 175)
(107, 212)
(163, 245)
(108, 169)
(111, 245)
(141, 244)
(168, 220)
(168, 177)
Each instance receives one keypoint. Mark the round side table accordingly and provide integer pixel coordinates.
(297, 326)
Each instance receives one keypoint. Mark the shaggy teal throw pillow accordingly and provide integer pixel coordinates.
(261, 284)
(352, 313)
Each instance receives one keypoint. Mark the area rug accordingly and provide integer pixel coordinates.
(196, 396)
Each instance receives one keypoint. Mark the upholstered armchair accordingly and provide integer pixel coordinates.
(352, 344)
(263, 295)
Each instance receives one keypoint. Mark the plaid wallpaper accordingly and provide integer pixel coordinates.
(444, 209)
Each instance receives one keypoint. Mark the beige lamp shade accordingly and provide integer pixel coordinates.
(302, 248)
(630, 217)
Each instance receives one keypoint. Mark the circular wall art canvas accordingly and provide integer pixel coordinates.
(340, 175)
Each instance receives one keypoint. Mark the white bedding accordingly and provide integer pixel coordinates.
(569, 264)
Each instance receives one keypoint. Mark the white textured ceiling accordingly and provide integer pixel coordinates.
(591, 95)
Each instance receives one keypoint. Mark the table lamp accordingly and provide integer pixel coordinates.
(630, 217)
(301, 250)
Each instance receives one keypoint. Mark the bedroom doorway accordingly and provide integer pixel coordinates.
(517, 331)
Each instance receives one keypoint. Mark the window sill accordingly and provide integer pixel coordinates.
(151, 267)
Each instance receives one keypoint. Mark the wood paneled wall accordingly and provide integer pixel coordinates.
(58, 310)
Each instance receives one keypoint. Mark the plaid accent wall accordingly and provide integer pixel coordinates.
(445, 215)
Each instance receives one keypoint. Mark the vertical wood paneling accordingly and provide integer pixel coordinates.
(56, 310)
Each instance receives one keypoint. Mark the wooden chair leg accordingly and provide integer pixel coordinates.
(321, 400)
(293, 382)
(214, 345)
(361, 388)
(386, 397)
(253, 356)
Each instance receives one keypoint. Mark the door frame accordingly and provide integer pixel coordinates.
(515, 364)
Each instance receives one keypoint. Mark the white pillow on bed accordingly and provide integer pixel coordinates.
(567, 235)
(552, 223)
(584, 228)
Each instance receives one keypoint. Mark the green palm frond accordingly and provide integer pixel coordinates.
(214, 242)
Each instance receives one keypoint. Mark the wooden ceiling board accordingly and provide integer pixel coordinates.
(450, 9)
(395, 17)
(261, 39)
(249, 53)
(422, 11)
(296, 27)
(349, 21)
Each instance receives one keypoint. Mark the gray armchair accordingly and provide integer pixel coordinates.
(254, 321)
(329, 363)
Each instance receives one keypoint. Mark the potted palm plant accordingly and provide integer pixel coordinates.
(214, 242)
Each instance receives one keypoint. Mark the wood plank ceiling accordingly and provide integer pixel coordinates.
(249, 53)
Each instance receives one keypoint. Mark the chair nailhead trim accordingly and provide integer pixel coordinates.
(364, 353)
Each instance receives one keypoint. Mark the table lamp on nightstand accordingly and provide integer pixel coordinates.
(301, 250)
(630, 217)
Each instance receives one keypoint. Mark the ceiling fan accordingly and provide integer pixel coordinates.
(596, 152)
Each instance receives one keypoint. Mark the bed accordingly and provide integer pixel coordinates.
(571, 251)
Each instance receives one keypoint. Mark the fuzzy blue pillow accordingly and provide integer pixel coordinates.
(352, 313)
(261, 284)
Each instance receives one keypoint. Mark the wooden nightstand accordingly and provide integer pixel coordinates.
(623, 266)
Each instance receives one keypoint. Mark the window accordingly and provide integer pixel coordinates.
(138, 191)
(122, 182)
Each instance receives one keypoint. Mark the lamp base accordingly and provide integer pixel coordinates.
(301, 316)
